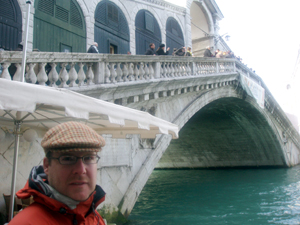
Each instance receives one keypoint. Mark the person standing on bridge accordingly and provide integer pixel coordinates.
(189, 52)
(207, 52)
(161, 50)
(180, 52)
(151, 49)
(93, 48)
(64, 189)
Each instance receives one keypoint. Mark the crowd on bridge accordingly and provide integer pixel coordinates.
(183, 51)
(223, 54)
(218, 53)
(162, 50)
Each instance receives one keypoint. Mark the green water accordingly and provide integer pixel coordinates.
(232, 196)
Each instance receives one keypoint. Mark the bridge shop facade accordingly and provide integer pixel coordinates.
(118, 26)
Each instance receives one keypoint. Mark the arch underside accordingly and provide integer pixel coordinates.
(228, 132)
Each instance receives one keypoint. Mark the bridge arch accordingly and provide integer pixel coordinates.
(215, 126)
(228, 105)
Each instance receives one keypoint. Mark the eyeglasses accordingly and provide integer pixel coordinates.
(71, 159)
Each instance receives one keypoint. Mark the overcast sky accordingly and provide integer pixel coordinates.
(266, 35)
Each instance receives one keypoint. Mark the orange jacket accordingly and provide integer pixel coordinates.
(48, 211)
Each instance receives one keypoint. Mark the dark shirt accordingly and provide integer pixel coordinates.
(19, 48)
(150, 51)
(160, 51)
(180, 52)
(93, 49)
(207, 53)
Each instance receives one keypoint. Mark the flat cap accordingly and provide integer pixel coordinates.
(72, 137)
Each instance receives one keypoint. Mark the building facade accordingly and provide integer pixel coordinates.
(118, 26)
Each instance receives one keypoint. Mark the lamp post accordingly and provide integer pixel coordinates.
(25, 42)
(18, 124)
(217, 38)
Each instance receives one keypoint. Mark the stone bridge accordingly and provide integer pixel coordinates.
(226, 115)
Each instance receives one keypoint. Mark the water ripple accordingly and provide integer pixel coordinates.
(250, 196)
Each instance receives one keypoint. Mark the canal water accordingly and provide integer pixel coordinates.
(229, 196)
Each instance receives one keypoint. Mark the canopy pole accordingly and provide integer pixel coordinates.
(25, 42)
(14, 173)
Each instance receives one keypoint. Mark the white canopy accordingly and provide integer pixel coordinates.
(24, 105)
(43, 107)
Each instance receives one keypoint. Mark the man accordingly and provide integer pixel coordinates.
(64, 189)
(161, 50)
(93, 48)
(151, 49)
(189, 51)
(19, 47)
(207, 52)
(180, 52)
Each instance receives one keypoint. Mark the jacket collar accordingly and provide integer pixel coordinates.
(37, 186)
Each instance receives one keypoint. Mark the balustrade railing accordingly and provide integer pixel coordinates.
(82, 69)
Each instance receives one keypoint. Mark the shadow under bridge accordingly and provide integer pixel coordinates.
(228, 132)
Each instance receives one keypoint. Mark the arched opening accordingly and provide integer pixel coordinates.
(59, 26)
(200, 29)
(111, 29)
(174, 34)
(147, 31)
(10, 24)
(227, 132)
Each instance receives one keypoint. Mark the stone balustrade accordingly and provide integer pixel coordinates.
(82, 69)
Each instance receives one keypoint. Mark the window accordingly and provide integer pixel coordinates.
(62, 14)
(149, 22)
(112, 12)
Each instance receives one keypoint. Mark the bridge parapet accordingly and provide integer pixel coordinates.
(82, 69)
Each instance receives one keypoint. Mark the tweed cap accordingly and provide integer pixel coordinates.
(72, 137)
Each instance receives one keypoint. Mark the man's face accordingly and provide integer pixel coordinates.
(153, 46)
(76, 181)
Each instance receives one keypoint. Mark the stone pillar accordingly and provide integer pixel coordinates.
(146, 97)
(194, 69)
(135, 98)
(99, 71)
(157, 68)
